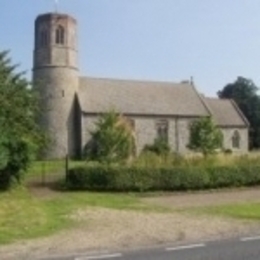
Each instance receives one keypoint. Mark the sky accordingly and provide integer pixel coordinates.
(163, 40)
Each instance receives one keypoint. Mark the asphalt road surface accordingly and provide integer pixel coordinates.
(247, 248)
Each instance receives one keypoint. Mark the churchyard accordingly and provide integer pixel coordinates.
(39, 208)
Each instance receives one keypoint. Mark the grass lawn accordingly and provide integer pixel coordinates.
(23, 215)
(247, 211)
(38, 168)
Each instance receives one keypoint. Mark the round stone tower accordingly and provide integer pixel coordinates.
(55, 77)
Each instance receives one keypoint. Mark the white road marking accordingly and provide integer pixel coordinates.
(245, 239)
(185, 247)
(99, 257)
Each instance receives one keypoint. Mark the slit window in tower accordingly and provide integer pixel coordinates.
(60, 35)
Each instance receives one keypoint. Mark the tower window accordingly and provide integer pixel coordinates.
(236, 140)
(43, 38)
(60, 35)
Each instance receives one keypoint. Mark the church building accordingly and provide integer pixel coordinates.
(71, 103)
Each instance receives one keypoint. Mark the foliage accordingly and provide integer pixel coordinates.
(192, 176)
(205, 137)
(19, 132)
(241, 89)
(159, 147)
(244, 92)
(113, 139)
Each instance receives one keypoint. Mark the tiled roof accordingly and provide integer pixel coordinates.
(225, 112)
(140, 97)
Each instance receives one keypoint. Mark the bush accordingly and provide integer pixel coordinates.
(159, 147)
(205, 136)
(179, 178)
(15, 158)
(228, 151)
(112, 139)
(19, 133)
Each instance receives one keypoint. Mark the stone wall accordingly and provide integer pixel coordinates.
(146, 132)
(229, 132)
(178, 133)
(87, 125)
(57, 89)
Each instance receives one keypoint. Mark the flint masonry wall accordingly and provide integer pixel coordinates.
(146, 132)
(178, 133)
(228, 134)
(55, 76)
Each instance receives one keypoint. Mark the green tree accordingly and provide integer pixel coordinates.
(244, 92)
(205, 137)
(112, 139)
(19, 132)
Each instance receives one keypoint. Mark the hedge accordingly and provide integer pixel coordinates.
(130, 178)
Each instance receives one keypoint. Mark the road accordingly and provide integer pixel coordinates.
(247, 248)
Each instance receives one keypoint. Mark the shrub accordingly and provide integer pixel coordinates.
(205, 136)
(112, 140)
(228, 151)
(19, 133)
(15, 157)
(159, 147)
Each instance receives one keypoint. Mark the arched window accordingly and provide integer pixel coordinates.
(162, 129)
(43, 38)
(60, 35)
(236, 140)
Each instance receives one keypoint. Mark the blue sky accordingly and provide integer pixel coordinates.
(166, 40)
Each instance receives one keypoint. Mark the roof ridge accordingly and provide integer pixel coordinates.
(137, 80)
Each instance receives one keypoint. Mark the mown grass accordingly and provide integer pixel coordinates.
(245, 211)
(24, 216)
